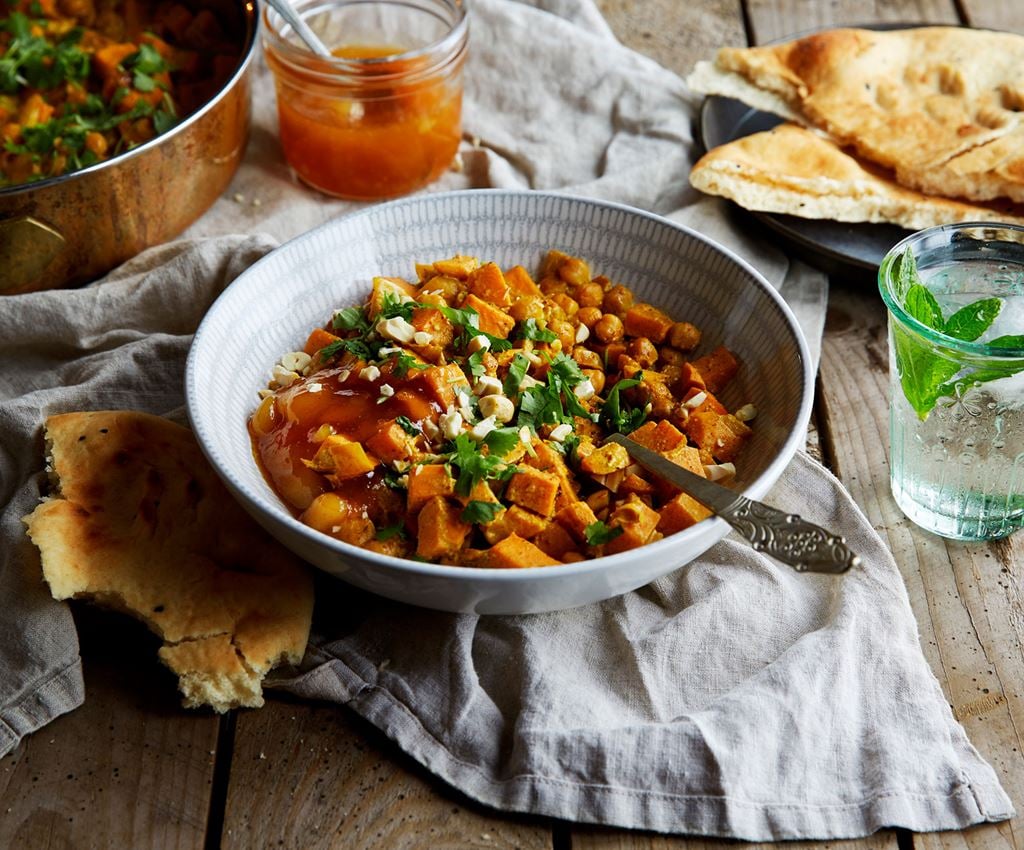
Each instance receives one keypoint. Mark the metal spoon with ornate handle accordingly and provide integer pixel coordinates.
(804, 546)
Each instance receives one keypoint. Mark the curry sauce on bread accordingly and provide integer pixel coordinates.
(138, 521)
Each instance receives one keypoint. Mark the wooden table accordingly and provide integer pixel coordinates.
(131, 770)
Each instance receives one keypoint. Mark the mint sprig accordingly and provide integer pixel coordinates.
(924, 375)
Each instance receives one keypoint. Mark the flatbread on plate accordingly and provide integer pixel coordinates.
(939, 106)
(795, 171)
(141, 523)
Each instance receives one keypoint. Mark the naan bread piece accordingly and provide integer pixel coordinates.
(796, 171)
(940, 106)
(141, 523)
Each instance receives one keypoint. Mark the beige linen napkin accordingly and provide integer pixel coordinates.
(732, 697)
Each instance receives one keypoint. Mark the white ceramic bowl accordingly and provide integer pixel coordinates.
(271, 308)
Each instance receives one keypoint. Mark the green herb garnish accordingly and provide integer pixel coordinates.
(925, 377)
(390, 531)
(618, 417)
(474, 466)
(529, 329)
(598, 533)
(404, 362)
(408, 426)
(481, 513)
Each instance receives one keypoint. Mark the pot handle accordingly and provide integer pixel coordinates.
(27, 247)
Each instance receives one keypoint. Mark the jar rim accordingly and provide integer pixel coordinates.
(447, 48)
(929, 333)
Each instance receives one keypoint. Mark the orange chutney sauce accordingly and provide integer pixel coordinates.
(387, 140)
(285, 430)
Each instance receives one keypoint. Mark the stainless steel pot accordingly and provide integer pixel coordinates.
(71, 229)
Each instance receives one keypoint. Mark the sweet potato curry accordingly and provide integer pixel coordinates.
(459, 419)
(84, 80)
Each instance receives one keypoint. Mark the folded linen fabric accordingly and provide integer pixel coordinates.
(672, 708)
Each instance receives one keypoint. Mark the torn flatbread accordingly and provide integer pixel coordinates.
(939, 106)
(140, 522)
(795, 171)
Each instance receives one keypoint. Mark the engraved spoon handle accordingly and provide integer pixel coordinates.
(787, 537)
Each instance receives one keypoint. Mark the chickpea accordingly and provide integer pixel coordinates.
(683, 336)
(573, 270)
(617, 300)
(596, 378)
(552, 286)
(590, 295)
(642, 350)
(586, 358)
(569, 307)
(671, 356)
(588, 316)
(526, 308)
(565, 332)
(609, 328)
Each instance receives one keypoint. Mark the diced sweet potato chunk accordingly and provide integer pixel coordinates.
(708, 402)
(515, 520)
(391, 442)
(660, 436)
(681, 512)
(647, 320)
(637, 521)
(533, 489)
(458, 266)
(514, 553)
(717, 368)
(549, 460)
(425, 482)
(489, 283)
(717, 437)
(492, 319)
(342, 458)
(440, 532)
(318, 339)
(521, 284)
(385, 288)
(443, 381)
(555, 540)
(432, 321)
(334, 515)
(575, 518)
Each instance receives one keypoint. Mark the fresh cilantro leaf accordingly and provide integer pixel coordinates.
(143, 82)
(517, 370)
(351, 319)
(501, 441)
(620, 418)
(481, 512)
(531, 330)
(357, 347)
(467, 320)
(164, 121)
(567, 371)
(404, 362)
(474, 466)
(408, 426)
(146, 60)
(475, 361)
(568, 446)
(393, 480)
(393, 307)
(391, 531)
(598, 533)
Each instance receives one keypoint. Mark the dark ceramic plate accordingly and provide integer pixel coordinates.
(836, 247)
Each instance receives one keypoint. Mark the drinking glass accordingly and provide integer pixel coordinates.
(955, 296)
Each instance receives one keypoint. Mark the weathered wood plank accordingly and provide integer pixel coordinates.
(968, 599)
(128, 769)
(674, 33)
(313, 777)
(995, 15)
(772, 19)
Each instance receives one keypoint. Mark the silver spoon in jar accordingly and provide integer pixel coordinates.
(787, 537)
(300, 27)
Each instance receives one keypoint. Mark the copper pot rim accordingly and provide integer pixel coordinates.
(251, 14)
